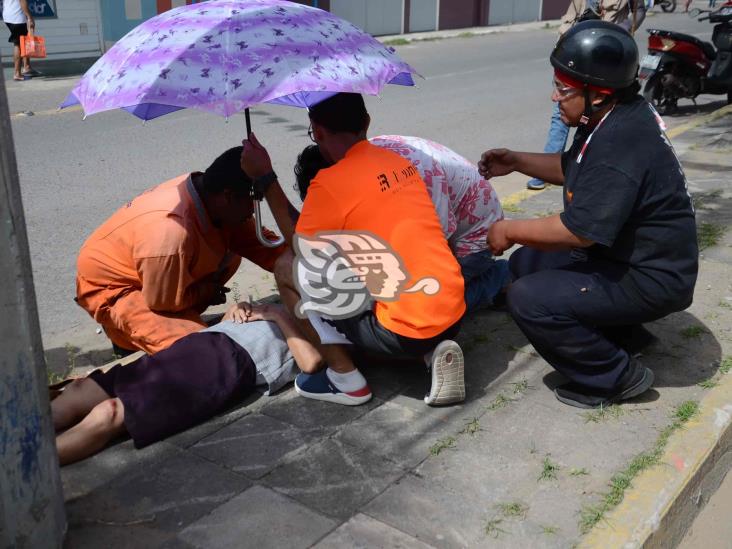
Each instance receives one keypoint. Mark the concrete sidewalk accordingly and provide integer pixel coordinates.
(511, 467)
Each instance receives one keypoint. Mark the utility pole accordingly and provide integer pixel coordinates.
(31, 501)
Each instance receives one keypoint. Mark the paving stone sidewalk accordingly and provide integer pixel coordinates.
(511, 467)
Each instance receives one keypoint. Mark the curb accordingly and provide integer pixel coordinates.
(663, 502)
(470, 31)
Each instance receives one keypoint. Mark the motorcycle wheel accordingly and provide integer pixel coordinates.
(668, 5)
(653, 93)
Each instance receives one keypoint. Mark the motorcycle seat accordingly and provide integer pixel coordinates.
(706, 47)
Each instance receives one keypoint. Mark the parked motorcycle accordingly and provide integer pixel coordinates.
(680, 66)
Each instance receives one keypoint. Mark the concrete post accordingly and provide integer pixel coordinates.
(31, 502)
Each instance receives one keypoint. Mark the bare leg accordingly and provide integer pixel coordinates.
(335, 356)
(16, 62)
(26, 64)
(104, 423)
(75, 402)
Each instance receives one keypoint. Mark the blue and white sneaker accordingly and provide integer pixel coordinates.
(319, 387)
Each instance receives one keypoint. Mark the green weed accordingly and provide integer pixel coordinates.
(549, 530)
(500, 401)
(492, 528)
(442, 444)
(708, 383)
(590, 515)
(472, 427)
(466, 35)
(520, 387)
(709, 234)
(725, 304)
(603, 413)
(514, 509)
(549, 469)
(691, 332)
(726, 365)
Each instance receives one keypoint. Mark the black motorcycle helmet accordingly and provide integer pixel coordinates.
(599, 55)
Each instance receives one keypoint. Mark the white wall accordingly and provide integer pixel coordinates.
(74, 34)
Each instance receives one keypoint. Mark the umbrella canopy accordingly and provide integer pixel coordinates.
(224, 56)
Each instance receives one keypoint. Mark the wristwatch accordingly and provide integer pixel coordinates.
(262, 183)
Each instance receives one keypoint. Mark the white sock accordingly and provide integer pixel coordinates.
(348, 382)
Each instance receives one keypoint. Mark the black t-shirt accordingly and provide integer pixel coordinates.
(625, 190)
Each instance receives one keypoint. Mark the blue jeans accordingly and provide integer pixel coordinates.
(556, 141)
(484, 278)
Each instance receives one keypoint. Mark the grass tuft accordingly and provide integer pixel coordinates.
(710, 383)
(520, 387)
(590, 515)
(726, 365)
(472, 427)
(709, 234)
(442, 444)
(467, 35)
(603, 413)
(492, 528)
(500, 401)
(515, 509)
(549, 530)
(549, 470)
(579, 472)
(691, 332)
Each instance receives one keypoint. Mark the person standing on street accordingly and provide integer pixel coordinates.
(624, 250)
(19, 20)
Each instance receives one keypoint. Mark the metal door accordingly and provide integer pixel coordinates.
(422, 15)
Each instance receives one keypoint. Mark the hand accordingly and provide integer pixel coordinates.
(497, 162)
(255, 159)
(497, 239)
(247, 312)
(212, 293)
(31, 23)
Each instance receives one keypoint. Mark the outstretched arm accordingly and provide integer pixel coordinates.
(544, 166)
(306, 355)
(546, 233)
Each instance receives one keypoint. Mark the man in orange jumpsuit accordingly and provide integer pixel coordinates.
(151, 269)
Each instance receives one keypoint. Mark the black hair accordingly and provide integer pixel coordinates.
(629, 94)
(342, 112)
(225, 173)
(309, 162)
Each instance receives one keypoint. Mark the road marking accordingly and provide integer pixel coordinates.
(683, 128)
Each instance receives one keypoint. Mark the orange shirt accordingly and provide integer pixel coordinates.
(376, 190)
(162, 243)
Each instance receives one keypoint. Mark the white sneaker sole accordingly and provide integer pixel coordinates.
(344, 399)
(448, 375)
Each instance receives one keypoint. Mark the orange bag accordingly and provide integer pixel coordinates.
(32, 45)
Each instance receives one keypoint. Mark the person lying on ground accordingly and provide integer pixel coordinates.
(373, 200)
(149, 271)
(624, 250)
(465, 202)
(198, 376)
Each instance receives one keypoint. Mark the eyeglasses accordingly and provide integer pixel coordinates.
(563, 92)
(310, 133)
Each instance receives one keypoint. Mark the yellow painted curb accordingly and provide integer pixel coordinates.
(519, 196)
(663, 501)
(678, 130)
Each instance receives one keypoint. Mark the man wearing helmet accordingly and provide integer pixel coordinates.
(623, 251)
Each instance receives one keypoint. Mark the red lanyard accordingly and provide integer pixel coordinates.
(587, 142)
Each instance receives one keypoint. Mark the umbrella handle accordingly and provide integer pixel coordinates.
(263, 240)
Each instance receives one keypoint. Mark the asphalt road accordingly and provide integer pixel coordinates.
(477, 93)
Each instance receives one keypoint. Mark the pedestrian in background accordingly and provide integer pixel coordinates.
(19, 20)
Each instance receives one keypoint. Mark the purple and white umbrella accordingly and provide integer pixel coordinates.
(224, 56)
